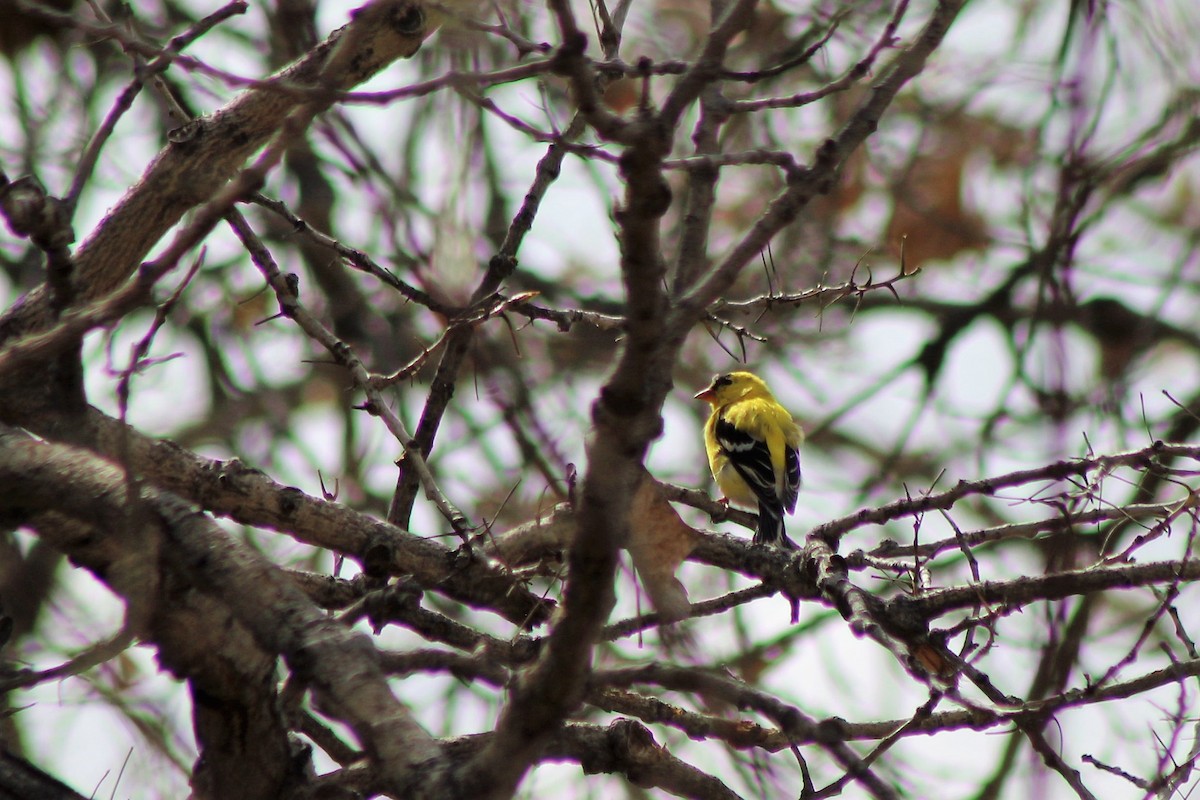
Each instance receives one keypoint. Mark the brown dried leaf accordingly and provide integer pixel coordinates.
(659, 542)
(929, 211)
(622, 94)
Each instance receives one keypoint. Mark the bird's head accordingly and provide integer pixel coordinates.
(732, 386)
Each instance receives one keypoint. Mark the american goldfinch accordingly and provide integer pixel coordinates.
(753, 451)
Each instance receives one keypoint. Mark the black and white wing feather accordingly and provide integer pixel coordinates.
(751, 458)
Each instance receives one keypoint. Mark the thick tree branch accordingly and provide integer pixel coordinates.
(208, 152)
(340, 667)
(234, 490)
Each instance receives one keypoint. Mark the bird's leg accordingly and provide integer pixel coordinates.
(723, 514)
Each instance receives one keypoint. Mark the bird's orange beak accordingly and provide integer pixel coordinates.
(708, 395)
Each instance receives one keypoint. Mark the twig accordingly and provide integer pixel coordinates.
(290, 306)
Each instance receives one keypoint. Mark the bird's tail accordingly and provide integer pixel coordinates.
(770, 528)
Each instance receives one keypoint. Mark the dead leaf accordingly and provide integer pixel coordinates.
(928, 208)
(659, 542)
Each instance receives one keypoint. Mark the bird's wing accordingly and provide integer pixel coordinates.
(791, 477)
(751, 458)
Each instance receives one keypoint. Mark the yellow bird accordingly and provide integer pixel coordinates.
(753, 449)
